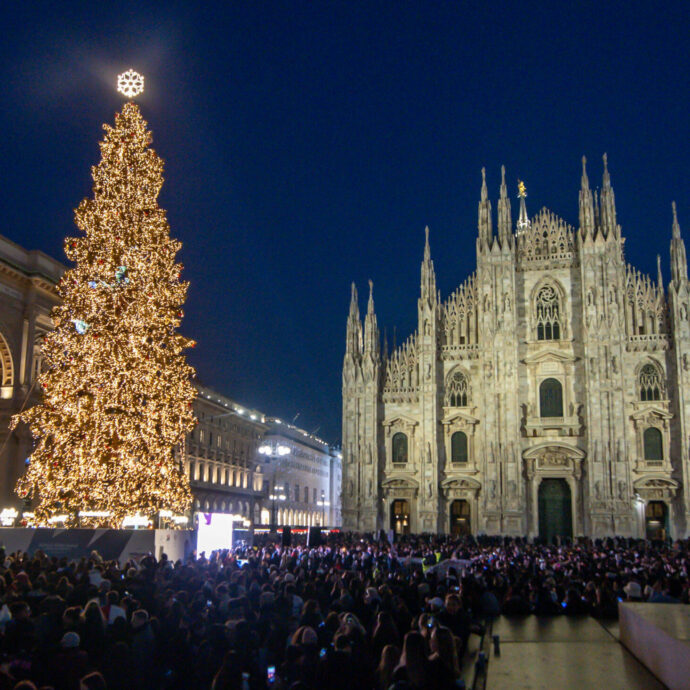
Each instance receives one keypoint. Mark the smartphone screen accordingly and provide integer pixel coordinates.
(270, 674)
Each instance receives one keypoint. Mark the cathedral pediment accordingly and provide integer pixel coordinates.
(549, 355)
(650, 411)
(401, 420)
(656, 482)
(555, 449)
(459, 417)
(461, 483)
(400, 483)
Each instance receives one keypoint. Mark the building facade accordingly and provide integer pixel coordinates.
(302, 477)
(28, 292)
(220, 457)
(549, 394)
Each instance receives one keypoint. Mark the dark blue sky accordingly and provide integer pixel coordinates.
(307, 144)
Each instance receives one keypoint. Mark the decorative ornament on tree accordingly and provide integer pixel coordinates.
(80, 326)
(130, 84)
(116, 406)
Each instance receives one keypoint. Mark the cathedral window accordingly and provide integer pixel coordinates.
(457, 390)
(399, 447)
(551, 398)
(548, 314)
(458, 447)
(653, 446)
(650, 383)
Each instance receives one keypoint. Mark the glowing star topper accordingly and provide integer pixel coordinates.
(522, 190)
(130, 83)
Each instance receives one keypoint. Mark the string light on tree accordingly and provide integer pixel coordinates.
(117, 388)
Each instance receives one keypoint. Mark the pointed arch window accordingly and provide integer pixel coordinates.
(550, 398)
(548, 311)
(458, 447)
(457, 390)
(650, 383)
(653, 445)
(400, 447)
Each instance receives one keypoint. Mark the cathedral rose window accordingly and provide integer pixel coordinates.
(548, 314)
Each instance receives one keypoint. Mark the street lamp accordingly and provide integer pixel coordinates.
(323, 503)
(277, 495)
(275, 450)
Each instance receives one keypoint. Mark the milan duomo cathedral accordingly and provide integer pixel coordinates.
(548, 395)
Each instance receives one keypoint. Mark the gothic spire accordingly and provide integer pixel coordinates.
(505, 224)
(484, 215)
(608, 203)
(679, 262)
(371, 329)
(354, 326)
(659, 277)
(586, 204)
(428, 284)
(523, 221)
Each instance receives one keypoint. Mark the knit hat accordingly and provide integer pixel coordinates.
(70, 640)
(436, 603)
(633, 590)
(139, 617)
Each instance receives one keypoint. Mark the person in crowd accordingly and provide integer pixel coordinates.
(390, 658)
(356, 612)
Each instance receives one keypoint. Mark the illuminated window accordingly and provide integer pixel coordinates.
(548, 314)
(653, 446)
(550, 398)
(458, 447)
(650, 383)
(457, 390)
(399, 447)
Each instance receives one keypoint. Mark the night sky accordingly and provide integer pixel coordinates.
(307, 144)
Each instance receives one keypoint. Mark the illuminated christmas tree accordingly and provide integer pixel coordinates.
(117, 388)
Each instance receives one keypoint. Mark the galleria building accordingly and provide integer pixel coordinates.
(548, 395)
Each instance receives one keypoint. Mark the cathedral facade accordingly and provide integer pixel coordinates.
(548, 395)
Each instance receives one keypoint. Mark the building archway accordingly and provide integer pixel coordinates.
(400, 516)
(460, 518)
(656, 520)
(555, 509)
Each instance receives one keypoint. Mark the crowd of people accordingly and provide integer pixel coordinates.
(355, 612)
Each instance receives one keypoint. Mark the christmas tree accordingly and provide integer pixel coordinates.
(117, 388)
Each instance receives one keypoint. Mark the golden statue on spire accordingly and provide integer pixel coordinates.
(522, 190)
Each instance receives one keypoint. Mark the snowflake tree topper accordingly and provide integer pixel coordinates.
(130, 83)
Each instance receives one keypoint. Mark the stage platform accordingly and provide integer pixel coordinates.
(659, 636)
(563, 652)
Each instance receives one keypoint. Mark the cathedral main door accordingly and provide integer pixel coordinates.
(555, 509)
(460, 520)
(656, 520)
(400, 516)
